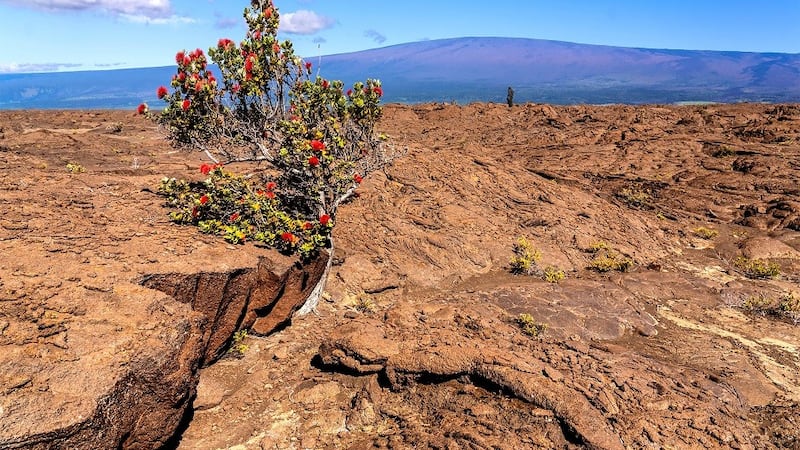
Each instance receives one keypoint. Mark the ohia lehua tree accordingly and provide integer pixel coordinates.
(316, 139)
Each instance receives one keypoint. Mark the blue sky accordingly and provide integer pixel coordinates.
(47, 35)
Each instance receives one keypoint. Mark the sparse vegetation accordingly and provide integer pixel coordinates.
(597, 246)
(526, 262)
(553, 274)
(635, 198)
(759, 303)
(790, 306)
(361, 302)
(529, 326)
(705, 233)
(115, 128)
(238, 347)
(525, 257)
(75, 168)
(606, 259)
(790, 303)
(757, 268)
(365, 305)
(786, 306)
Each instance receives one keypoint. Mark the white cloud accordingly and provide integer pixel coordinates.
(171, 20)
(139, 11)
(304, 22)
(43, 67)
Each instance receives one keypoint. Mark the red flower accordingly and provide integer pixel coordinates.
(307, 226)
(325, 84)
(324, 219)
(142, 108)
(182, 77)
(271, 186)
(204, 199)
(224, 43)
(287, 237)
(186, 104)
(195, 212)
(187, 60)
(308, 66)
(257, 35)
(235, 88)
(317, 145)
(205, 169)
(162, 91)
(198, 86)
(313, 161)
(268, 13)
(358, 178)
(378, 90)
(349, 92)
(270, 195)
(234, 217)
(276, 48)
(179, 57)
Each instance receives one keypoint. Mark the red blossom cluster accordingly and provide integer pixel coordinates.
(205, 169)
(317, 145)
(269, 192)
(324, 220)
(225, 43)
(192, 78)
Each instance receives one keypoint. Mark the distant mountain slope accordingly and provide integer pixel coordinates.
(476, 69)
(563, 72)
(113, 89)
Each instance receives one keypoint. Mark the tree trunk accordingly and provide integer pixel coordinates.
(313, 299)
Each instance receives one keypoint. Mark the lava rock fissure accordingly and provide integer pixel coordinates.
(261, 298)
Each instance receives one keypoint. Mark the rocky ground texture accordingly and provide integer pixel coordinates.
(418, 343)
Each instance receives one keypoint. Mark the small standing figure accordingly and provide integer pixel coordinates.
(510, 97)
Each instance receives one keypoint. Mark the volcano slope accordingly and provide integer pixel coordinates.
(418, 343)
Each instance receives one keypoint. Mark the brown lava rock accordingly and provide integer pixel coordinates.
(107, 310)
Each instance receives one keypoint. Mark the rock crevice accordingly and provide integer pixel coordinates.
(261, 298)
